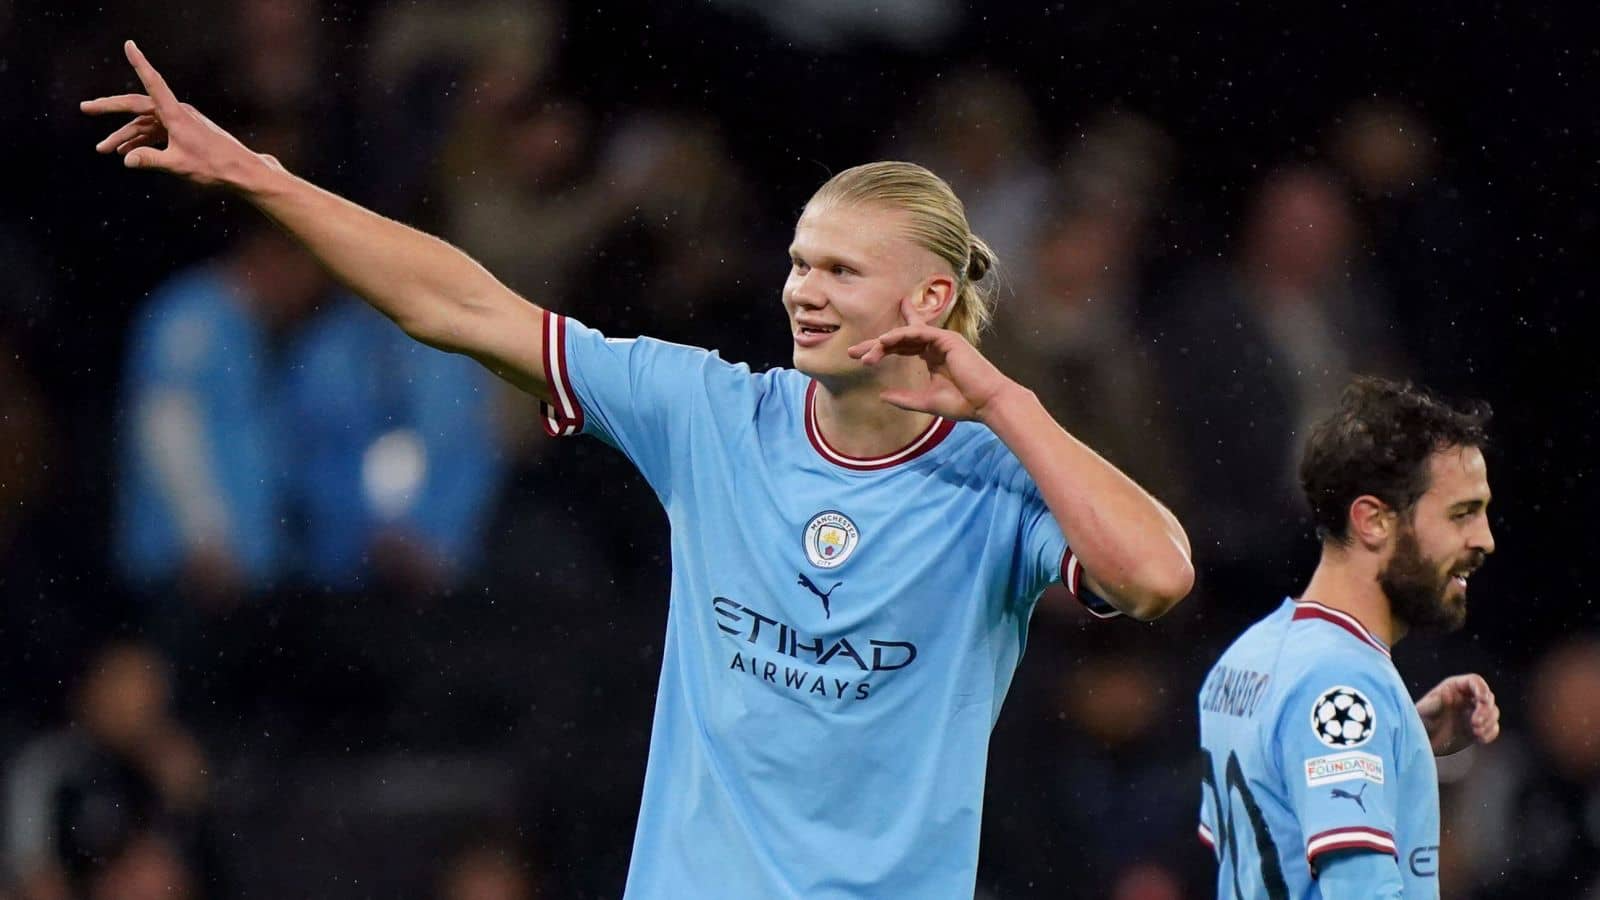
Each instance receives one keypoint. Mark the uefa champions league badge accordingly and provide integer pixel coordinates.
(1343, 717)
(830, 539)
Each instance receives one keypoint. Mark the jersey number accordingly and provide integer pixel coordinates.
(1227, 832)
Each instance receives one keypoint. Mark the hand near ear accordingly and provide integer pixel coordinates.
(963, 382)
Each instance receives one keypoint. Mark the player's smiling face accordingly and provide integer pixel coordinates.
(1445, 540)
(850, 266)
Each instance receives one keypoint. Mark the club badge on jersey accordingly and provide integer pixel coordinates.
(830, 538)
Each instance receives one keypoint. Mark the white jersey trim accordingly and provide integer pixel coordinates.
(1347, 839)
(564, 417)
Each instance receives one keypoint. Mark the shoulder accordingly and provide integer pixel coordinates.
(974, 456)
(1341, 691)
(647, 355)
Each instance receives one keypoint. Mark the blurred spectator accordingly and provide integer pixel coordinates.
(1256, 350)
(420, 53)
(201, 509)
(116, 805)
(1106, 817)
(394, 467)
(682, 266)
(1417, 226)
(980, 132)
(1071, 332)
(1122, 164)
(247, 411)
(522, 196)
(274, 57)
(1527, 819)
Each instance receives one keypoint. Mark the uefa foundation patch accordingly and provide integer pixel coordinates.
(1352, 766)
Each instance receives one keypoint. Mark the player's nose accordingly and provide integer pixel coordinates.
(1485, 539)
(805, 290)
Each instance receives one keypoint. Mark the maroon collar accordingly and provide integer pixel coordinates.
(930, 437)
(1310, 609)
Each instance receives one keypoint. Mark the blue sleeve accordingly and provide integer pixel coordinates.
(1046, 558)
(452, 405)
(639, 395)
(1359, 875)
(1337, 739)
(1207, 829)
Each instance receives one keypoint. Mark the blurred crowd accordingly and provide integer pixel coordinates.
(291, 606)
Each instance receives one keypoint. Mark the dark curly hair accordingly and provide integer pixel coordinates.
(1378, 442)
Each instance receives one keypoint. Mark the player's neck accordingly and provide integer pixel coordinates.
(855, 421)
(1348, 582)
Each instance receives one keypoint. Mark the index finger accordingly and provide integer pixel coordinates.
(138, 104)
(910, 314)
(1478, 687)
(908, 334)
(154, 84)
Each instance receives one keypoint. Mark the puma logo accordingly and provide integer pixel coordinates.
(823, 596)
(1337, 793)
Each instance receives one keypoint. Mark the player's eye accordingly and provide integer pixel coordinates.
(840, 271)
(799, 265)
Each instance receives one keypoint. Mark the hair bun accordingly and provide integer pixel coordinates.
(980, 259)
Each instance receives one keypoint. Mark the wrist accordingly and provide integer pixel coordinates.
(1006, 404)
(254, 175)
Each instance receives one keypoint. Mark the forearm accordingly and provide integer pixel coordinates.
(1133, 549)
(430, 289)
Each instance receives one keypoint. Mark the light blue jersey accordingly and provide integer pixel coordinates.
(200, 449)
(1313, 746)
(232, 436)
(354, 384)
(841, 632)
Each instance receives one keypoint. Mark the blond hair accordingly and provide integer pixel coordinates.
(937, 223)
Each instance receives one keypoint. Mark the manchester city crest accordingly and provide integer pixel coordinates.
(830, 539)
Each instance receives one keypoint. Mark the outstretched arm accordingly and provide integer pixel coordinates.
(1133, 551)
(432, 290)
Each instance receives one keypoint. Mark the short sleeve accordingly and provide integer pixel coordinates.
(1207, 829)
(1047, 558)
(1337, 738)
(1354, 875)
(635, 394)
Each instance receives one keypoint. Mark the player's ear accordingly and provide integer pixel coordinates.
(932, 299)
(1372, 521)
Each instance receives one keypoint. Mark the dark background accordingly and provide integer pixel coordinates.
(369, 735)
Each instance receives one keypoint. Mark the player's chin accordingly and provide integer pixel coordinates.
(1453, 609)
(823, 362)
